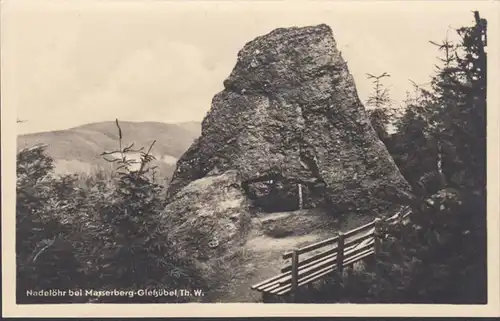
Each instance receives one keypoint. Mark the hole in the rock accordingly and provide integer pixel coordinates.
(275, 195)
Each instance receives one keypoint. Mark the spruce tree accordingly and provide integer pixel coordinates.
(380, 114)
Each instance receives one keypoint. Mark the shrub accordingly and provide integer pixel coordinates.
(44, 257)
(96, 232)
(431, 259)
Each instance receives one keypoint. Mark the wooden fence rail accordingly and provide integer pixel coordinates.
(344, 249)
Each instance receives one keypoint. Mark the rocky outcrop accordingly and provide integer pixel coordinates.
(290, 115)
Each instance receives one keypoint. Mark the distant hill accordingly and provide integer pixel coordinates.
(78, 149)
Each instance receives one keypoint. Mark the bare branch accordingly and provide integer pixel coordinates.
(49, 244)
(119, 129)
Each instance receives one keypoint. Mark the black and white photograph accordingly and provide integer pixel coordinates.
(272, 153)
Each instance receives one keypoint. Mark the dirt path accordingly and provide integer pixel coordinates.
(264, 262)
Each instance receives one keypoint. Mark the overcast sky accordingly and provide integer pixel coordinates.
(71, 63)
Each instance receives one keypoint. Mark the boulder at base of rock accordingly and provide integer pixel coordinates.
(209, 215)
(290, 115)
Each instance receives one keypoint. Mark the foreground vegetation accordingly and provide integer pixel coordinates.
(98, 232)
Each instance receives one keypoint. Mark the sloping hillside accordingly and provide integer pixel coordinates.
(78, 149)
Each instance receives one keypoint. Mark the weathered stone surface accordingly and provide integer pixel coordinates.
(290, 114)
(210, 214)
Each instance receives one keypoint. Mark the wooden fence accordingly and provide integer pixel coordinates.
(312, 262)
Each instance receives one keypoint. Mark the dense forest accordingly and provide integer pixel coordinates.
(439, 144)
(76, 231)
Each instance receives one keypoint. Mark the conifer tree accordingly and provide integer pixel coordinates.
(380, 116)
(441, 145)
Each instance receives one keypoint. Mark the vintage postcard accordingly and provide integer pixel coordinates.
(250, 158)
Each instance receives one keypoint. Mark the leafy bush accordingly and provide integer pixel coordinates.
(432, 259)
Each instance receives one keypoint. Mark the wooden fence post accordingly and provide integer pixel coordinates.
(340, 254)
(377, 236)
(377, 248)
(340, 264)
(295, 273)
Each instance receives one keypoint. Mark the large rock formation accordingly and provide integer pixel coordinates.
(290, 115)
